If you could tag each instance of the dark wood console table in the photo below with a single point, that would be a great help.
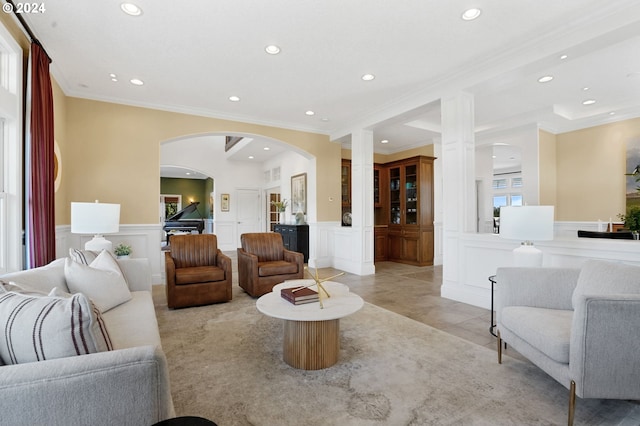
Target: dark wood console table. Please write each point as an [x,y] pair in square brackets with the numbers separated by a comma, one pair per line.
[295,238]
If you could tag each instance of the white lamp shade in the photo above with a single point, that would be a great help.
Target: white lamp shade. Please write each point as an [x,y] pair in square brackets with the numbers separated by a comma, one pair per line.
[95,218]
[526,223]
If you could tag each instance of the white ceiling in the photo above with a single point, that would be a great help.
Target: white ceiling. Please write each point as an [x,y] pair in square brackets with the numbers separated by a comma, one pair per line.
[193,55]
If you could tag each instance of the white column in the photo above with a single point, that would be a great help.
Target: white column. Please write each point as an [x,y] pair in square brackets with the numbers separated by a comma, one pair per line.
[362,201]
[458,185]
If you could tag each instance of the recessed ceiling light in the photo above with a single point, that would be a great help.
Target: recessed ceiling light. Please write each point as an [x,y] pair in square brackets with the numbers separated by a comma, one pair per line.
[585,88]
[324,119]
[136,81]
[589,102]
[384,141]
[250,157]
[545,79]
[310,113]
[272,49]
[368,77]
[471,14]
[493,156]
[266,148]
[564,56]
[612,113]
[188,173]
[234,99]
[131,9]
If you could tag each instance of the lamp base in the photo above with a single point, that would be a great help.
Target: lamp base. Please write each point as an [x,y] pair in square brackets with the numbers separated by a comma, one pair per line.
[98,243]
[527,255]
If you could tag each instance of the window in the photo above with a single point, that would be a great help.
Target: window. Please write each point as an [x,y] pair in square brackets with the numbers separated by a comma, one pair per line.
[499,201]
[499,184]
[516,182]
[11,249]
[516,200]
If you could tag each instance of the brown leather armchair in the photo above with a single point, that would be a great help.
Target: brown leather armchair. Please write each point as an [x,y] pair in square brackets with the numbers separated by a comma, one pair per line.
[198,273]
[264,262]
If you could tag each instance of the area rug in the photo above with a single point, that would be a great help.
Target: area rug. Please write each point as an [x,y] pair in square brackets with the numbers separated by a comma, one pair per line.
[226,365]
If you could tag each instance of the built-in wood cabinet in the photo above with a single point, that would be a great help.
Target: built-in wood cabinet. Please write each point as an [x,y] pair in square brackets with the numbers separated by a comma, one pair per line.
[380,243]
[410,232]
[403,209]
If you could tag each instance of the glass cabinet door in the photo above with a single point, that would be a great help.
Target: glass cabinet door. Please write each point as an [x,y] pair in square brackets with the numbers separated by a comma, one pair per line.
[376,187]
[346,184]
[394,195]
[411,195]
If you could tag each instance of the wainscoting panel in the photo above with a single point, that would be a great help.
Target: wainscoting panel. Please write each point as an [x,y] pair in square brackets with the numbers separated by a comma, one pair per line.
[226,233]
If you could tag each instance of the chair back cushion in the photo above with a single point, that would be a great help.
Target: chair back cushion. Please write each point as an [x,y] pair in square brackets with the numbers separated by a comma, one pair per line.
[599,277]
[268,246]
[194,250]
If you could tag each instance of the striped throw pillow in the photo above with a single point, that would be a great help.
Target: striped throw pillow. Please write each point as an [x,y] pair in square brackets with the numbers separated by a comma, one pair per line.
[84,257]
[41,327]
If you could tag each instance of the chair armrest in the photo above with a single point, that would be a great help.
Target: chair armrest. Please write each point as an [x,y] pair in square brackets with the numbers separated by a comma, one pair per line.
[170,269]
[294,257]
[223,261]
[536,287]
[137,272]
[605,343]
[247,266]
[128,386]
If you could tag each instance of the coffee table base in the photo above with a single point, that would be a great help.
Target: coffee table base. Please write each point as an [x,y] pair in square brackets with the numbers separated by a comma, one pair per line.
[311,345]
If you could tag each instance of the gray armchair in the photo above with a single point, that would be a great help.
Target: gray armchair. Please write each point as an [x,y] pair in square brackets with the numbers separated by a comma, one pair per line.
[580,326]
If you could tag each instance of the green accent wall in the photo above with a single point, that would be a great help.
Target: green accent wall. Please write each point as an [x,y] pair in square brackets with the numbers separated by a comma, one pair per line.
[190,189]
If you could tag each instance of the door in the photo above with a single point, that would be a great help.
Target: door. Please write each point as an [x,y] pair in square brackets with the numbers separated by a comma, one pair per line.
[248,218]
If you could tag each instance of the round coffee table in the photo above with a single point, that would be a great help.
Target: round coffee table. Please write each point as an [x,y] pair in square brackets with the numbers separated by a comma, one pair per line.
[311,334]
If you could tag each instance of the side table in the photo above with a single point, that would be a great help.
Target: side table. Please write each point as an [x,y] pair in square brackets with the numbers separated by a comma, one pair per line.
[492,323]
[311,335]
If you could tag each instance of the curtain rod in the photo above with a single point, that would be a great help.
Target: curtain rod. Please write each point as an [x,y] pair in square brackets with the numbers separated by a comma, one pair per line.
[26,27]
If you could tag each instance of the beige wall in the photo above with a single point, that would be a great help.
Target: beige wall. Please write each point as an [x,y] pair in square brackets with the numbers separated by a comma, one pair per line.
[548,170]
[113,154]
[590,171]
[63,206]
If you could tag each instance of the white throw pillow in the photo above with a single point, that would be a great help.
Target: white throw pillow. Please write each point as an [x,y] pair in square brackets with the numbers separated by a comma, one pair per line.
[41,327]
[102,281]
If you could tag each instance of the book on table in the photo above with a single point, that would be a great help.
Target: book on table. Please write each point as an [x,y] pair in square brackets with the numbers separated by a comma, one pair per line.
[299,295]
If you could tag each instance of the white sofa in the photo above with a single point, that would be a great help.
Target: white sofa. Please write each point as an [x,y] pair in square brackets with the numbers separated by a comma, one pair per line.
[128,385]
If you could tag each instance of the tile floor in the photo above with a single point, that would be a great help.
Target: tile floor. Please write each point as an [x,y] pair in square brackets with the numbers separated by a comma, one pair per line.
[414,292]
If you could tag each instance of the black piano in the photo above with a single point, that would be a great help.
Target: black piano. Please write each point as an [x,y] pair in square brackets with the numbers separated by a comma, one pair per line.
[176,223]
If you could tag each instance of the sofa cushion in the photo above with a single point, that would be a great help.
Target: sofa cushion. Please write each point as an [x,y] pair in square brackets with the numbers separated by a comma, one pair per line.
[548,330]
[102,281]
[133,323]
[41,327]
[199,274]
[598,277]
[278,267]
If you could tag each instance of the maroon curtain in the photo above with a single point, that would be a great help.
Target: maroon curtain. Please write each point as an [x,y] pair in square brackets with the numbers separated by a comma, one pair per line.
[41,208]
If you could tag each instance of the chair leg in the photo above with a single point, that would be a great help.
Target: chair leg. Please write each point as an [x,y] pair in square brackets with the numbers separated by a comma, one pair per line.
[499,348]
[572,402]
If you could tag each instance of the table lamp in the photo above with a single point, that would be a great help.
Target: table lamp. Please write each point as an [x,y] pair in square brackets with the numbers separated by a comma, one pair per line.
[95,218]
[527,224]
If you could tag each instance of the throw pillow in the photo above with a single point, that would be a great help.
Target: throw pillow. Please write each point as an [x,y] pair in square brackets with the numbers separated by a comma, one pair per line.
[602,277]
[102,281]
[83,256]
[41,327]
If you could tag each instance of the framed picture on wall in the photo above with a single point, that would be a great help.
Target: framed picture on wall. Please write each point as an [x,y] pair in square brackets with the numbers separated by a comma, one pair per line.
[299,193]
[224,202]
